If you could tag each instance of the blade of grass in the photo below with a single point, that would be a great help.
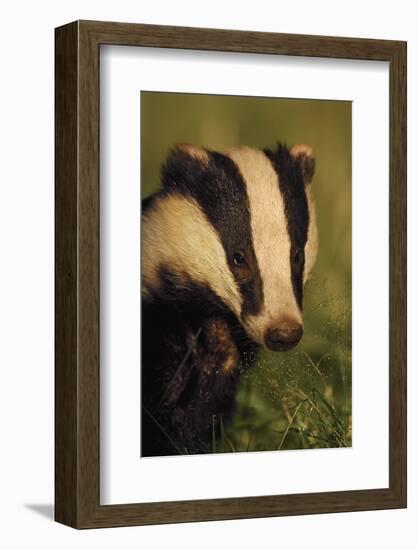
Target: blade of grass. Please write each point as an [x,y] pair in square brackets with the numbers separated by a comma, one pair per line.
[329,442]
[230,443]
[213,432]
[164,432]
[316,368]
[289,425]
[322,418]
[330,408]
[222,435]
[249,440]
[180,367]
[225,438]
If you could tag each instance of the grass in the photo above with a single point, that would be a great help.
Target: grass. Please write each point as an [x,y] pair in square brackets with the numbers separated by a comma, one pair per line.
[300,416]
[300,399]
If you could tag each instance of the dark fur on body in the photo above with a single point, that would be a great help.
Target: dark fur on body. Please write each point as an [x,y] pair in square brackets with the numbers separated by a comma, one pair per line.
[193,352]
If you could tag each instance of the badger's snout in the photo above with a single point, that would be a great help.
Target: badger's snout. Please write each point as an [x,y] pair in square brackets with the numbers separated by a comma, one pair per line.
[283,335]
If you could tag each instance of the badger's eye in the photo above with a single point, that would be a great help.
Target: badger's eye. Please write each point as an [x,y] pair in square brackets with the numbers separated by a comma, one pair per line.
[239,259]
[298,256]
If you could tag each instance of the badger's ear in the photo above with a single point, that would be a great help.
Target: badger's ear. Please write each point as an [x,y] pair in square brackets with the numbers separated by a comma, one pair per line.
[193,151]
[184,165]
[304,155]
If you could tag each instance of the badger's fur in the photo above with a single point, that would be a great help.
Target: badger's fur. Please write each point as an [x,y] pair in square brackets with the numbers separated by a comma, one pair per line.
[227,246]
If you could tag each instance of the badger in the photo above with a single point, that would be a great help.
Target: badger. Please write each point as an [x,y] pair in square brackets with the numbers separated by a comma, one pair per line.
[227,245]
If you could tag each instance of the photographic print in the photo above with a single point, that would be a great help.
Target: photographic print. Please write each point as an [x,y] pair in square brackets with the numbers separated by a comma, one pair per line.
[245,274]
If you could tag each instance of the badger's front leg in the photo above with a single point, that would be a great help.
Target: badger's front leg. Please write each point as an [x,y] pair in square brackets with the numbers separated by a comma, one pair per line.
[211,387]
[196,391]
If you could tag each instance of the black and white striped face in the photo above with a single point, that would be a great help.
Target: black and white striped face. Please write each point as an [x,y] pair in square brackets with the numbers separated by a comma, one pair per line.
[242,223]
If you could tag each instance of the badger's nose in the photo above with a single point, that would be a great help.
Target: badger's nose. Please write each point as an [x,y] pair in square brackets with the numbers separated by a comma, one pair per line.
[284,335]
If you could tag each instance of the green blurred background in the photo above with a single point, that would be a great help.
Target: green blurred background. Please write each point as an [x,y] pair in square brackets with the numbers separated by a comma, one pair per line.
[302,398]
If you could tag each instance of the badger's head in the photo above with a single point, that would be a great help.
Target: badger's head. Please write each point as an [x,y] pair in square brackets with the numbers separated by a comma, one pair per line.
[242,224]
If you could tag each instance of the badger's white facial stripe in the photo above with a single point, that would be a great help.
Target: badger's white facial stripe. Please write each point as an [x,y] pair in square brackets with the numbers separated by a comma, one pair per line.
[272,243]
[312,237]
[177,234]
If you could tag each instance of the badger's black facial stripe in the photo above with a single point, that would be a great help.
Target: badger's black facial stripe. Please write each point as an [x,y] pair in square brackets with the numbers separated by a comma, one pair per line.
[218,187]
[179,288]
[292,187]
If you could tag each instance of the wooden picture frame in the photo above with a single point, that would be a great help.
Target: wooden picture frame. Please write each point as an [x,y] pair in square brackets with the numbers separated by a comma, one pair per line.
[77,373]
